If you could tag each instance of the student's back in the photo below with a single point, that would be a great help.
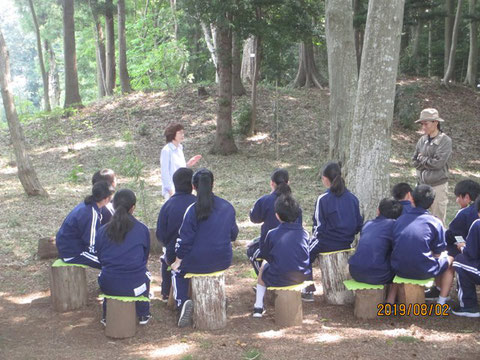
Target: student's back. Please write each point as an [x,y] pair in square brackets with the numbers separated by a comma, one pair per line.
[460,225]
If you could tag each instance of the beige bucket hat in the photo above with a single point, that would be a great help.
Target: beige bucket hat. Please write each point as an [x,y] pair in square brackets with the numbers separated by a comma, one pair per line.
[429,115]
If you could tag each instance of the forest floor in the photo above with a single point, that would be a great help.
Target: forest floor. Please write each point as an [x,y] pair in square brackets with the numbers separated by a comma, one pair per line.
[125,133]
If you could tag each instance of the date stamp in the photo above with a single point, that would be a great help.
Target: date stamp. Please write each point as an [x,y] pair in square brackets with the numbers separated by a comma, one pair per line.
[412,309]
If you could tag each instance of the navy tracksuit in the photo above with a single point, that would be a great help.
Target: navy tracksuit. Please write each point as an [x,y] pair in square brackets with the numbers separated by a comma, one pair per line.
[459,227]
[124,266]
[467,266]
[107,212]
[406,206]
[169,221]
[264,212]
[75,239]
[204,246]
[371,262]
[416,236]
[285,248]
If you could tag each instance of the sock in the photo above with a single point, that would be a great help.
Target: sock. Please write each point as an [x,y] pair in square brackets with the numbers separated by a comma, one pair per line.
[259,298]
[442,300]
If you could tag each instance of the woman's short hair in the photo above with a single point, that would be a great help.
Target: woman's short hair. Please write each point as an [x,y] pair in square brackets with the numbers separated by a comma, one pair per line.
[171,131]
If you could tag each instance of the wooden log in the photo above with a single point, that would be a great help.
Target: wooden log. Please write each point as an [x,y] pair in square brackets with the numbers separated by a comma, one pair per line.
[171,300]
[366,302]
[47,248]
[68,288]
[121,319]
[288,308]
[156,247]
[411,294]
[209,302]
[334,268]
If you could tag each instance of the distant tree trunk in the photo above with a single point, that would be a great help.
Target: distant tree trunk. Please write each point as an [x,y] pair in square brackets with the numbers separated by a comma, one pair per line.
[247,60]
[357,34]
[46,94]
[209,33]
[471,77]
[224,143]
[429,46]
[449,20]
[72,93]
[26,172]
[307,74]
[343,78]
[53,78]
[122,49]
[237,87]
[256,72]
[416,34]
[368,165]
[173,6]
[99,50]
[453,49]
[110,53]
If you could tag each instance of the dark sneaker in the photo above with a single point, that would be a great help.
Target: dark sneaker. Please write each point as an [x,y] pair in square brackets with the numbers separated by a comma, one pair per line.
[103,322]
[432,294]
[307,297]
[258,312]
[467,312]
[186,314]
[143,320]
[164,298]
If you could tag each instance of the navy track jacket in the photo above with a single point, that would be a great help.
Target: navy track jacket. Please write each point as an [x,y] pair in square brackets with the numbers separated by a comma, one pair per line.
[460,225]
[471,251]
[406,206]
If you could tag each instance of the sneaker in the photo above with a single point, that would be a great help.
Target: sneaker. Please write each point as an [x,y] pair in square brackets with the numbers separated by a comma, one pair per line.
[103,321]
[258,312]
[143,320]
[468,312]
[185,318]
[432,294]
[307,297]
[164,298]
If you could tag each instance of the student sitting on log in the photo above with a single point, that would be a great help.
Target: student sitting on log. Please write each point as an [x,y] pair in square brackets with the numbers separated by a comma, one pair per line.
[336,219]
[204,242]
[169,220]
[76,238]
[264,212]
[123,246]
[403,192]
[419,243]
[371,262]
[107,175]
[285,250]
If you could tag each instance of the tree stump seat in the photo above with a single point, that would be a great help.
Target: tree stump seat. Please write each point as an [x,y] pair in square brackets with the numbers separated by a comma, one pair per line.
[68,286]
[367,298]
[334,268]
[47,249]
[288,304]
[412,291]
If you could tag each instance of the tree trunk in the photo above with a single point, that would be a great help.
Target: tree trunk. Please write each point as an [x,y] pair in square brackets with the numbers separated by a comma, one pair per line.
[173,6]
[368,165]
[53,78]
[247,60]
[209,302]
[449,19]
[358,35]
[110,55]
[122,49]
[209,34]
[307,74]
[471,77]
[46,94]
[72,93]
[453,49]
[224,143]
[99,51]
[417,32]
[343,78]
[26,172]
[256,71]
[237,87]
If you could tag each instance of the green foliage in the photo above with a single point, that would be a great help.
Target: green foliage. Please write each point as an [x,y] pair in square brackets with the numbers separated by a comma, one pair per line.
[406,339]
[129,165]
[407,105]
[242,117]
[77,174]
[253,354]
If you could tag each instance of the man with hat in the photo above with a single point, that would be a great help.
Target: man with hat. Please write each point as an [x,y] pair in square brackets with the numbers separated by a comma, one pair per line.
[430,159]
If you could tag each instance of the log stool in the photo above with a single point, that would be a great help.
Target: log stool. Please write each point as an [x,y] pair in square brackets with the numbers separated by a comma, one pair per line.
[121,319]
[334,268]
[68,286]
[367,297]
[288,304]
[47,249]
[412,291]
[209,300]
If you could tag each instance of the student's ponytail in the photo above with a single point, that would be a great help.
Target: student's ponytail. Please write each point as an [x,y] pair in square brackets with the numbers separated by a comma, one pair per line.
[280,178]
[333,173]
[203,182]
[100,191]
[122,221]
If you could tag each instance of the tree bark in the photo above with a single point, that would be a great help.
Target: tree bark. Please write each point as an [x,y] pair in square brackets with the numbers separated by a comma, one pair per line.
[53,77]
[416,34]
[256,71]
[471,77]
[307,74]
[358,35]
[99,51]
[368,165]
[26,172]
[247,60]
[237,86]
[72,92]
[173,6]
[209,299]
[224,143]
[343,76]
[110,53]
[453,49]
[209,35]
[449,20]
[46,94]
[122,49]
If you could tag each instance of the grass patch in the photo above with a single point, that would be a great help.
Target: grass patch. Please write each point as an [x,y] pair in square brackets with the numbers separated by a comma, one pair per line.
[252,354]
[407,339]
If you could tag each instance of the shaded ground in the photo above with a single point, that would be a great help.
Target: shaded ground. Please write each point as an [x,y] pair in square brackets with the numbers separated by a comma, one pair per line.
[126,134]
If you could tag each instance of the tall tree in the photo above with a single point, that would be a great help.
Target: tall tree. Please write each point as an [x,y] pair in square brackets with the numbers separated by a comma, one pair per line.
[210,34]
[26,172]
[72,92]
[46,94]
[110,53]
[368,164]
[53,76]
[307,74]
[471,77]
[342,70]
[122,49]
[449,20]
[453,49]
[237,86]
[99,49]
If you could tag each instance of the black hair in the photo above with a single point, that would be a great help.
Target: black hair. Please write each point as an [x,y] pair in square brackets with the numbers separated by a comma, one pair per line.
[470,187]
[287,208]
[477,204]
[390,208]
[182,179]
[203,182]
[100,191]
[400,190]
[332,171]
[280,178]
[423,196]
[107,175]
[122,221]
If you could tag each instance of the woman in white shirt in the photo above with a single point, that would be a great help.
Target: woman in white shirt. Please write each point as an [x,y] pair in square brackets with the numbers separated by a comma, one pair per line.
[172,158]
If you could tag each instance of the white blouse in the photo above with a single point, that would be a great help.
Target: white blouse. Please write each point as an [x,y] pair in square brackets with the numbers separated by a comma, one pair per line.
[171,159]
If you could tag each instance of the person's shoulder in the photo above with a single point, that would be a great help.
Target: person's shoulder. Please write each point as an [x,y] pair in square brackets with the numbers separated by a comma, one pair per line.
[168,147]
[139,225]
[222,203]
